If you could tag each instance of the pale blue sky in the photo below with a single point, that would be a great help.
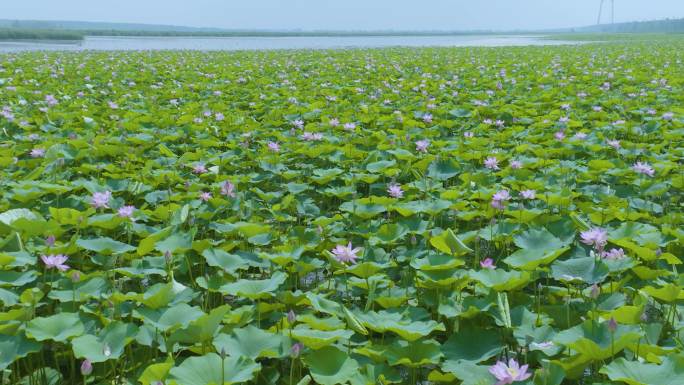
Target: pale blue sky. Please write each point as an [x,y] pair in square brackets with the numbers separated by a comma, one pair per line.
[343,14]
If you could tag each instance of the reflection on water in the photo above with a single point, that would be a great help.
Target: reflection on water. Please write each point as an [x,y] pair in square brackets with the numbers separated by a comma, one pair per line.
[262,43]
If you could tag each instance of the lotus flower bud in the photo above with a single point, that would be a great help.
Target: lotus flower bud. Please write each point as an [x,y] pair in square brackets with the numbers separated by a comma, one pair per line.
[594,291]
[291,317]
[612,325]
[86,367]
[296,350]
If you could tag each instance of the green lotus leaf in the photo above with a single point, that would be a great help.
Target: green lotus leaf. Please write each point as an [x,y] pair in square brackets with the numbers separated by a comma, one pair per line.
[380,166]
[12,278]
[174,317]
[448,242]
[177,241]
[669,372]
[317,339]
[14,347]
[147,245]
[468,372]
[59,327]
[388,233]
[91,288]
[406,328]
[255,289]
[104,245]
[155,372]
[203,328]
[585,269]
[414,354]
[443,169]
[331,366]
[231,263]
[109,344]
[436,262]
[538,247]
[252,342]
[363,209]
[667,293]
[550,373]
[364,269]
[501,280]
[10,216]
[595,341]
[432,207]
[210,369]
[472,344]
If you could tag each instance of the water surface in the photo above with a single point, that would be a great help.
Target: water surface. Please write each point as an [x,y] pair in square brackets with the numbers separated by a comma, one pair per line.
[263,43]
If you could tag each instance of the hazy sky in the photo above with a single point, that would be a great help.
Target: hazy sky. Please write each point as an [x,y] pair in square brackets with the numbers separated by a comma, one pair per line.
[344,14]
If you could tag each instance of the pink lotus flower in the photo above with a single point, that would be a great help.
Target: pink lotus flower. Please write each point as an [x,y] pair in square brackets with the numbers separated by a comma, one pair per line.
[487,263]
[560,135]
[51,100]
[491,163]
[580,136]
[596,236]
[205,196]
[350,126]
[228,189]
[346,254]
[613,254]
[668,116]
[55,261]
[298,123]
[219,116]
[499,198]
[296,350]
[516,164]
[468,134]
[395,191]
[614,143]
[334,122]
[422,145]
[508,374]
[612,325]
[199,168]
[528,194]
[308,136]
[101,199]
[113,105]
[643,168]
[86,367]
[427,118]
[274,146]
[37,153]
[126,211]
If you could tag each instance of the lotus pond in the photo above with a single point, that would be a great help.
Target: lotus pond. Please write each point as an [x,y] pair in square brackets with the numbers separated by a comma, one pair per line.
[471,216]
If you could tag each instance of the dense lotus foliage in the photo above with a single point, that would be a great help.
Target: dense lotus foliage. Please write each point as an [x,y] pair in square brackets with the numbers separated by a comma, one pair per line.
[400,216]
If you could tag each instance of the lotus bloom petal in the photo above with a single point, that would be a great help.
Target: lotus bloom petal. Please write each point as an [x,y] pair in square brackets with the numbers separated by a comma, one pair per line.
[346,254]
[422,145]
[101,199]
[395,191]
[508,374]
[491,163]
[55,261]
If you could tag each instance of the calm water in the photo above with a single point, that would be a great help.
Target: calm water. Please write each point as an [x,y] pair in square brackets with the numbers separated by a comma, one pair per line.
[261,43]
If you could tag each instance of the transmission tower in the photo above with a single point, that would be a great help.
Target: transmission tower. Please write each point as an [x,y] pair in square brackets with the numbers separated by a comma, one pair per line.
[612,12]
